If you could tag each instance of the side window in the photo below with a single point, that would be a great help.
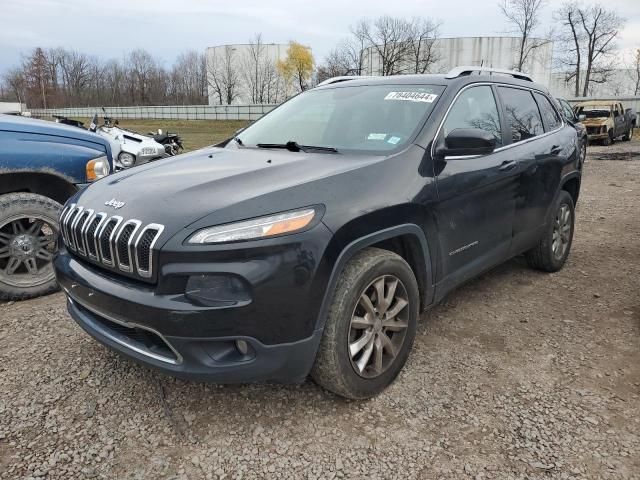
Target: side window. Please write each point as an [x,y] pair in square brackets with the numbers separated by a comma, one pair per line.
[551,117]
[568,113]
[475,108]
[523,116]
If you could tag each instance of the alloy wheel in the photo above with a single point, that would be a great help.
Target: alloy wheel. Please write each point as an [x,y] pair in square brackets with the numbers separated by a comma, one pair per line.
[27,245]
[561,232]
[378,326]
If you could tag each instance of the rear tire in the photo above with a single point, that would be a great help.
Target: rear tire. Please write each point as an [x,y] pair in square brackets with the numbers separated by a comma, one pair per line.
[628,136]
[366,343]
[28,239]
[551,252]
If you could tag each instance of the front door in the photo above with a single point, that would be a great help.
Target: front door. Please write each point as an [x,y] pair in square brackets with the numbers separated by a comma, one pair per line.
[476,195]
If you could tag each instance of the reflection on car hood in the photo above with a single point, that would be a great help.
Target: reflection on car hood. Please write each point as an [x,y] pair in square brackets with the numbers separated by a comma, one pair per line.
[180,190]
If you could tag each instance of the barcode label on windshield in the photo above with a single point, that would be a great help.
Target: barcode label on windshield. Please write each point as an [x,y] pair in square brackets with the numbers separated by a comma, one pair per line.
[411,96]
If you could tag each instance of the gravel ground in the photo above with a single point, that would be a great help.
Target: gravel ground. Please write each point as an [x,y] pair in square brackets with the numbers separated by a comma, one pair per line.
[518,375]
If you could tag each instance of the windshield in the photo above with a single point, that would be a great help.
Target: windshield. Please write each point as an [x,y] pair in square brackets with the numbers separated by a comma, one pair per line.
[594,111]
[372,119]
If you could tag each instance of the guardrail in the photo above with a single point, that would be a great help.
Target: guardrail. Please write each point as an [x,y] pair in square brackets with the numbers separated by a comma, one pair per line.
[171,112]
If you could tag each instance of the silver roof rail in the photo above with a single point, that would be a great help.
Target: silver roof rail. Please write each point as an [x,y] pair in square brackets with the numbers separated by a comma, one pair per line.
[344,78]
[467,70]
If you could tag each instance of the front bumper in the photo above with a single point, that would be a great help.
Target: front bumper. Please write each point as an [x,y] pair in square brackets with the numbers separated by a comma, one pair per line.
[161,327]
[202,359]
[597,136]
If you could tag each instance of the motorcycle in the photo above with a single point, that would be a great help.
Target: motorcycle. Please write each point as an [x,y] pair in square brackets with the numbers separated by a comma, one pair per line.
[171,141]
[132,148]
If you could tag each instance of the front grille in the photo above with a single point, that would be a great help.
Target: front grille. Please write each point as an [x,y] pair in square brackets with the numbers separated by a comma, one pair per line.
[111,241]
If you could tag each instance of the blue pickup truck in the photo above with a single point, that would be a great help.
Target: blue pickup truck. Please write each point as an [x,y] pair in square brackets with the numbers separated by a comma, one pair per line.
[42,164]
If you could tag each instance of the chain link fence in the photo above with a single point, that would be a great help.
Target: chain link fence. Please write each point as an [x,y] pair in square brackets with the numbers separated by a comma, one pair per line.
[171,112]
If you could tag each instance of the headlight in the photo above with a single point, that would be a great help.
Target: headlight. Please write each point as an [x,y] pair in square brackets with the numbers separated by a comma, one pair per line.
[97,168]
[262,227]
[127,159]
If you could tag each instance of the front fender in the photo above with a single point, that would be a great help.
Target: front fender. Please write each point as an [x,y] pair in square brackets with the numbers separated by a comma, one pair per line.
[423,262]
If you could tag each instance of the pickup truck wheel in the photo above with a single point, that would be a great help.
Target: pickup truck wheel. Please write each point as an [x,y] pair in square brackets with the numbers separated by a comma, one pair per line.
[370,327]
[629,135]
[553,248]
[28,240]
[608,139]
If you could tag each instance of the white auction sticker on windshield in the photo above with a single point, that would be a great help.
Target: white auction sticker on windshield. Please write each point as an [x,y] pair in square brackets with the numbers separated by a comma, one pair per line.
[411,96]
[376,136]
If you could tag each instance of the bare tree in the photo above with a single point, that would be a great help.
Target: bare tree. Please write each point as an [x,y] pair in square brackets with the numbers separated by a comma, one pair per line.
[570,41]
[222,75]
[635,72]
[390,39]
[601,27]
[14,79]
[259,71]
[422,51]
[588,43]
[524,17]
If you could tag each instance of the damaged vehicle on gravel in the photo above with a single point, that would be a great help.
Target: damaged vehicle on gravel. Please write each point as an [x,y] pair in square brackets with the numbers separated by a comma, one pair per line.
[309,243]
[42,164]
[606,121]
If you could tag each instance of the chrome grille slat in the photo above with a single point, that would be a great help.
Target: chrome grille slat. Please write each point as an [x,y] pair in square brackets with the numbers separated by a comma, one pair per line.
[72,227]
[84,219]
[141,250]
[121,244]
[128,266]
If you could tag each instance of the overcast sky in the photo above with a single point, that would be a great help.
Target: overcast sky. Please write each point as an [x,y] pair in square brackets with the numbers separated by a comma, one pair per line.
[113,27]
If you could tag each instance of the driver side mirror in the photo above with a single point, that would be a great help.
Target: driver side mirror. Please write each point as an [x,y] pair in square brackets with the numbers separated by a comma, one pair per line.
[582,117]
[467,141]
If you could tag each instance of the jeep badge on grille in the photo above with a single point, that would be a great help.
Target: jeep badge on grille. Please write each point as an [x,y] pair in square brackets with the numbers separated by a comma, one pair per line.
[114,203]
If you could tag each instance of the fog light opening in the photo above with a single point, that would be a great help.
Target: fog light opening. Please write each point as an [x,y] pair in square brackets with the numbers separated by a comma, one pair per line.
[242,347]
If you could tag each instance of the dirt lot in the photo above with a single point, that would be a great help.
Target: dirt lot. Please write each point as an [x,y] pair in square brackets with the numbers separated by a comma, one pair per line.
[517,375]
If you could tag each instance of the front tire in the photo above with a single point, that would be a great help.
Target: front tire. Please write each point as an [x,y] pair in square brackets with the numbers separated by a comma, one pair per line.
[370,327]
[28,239]
[551,252]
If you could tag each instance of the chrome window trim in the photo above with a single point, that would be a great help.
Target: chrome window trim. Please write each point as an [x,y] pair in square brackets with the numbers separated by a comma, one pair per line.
[126,268]
[151,226]
[504,147]
[118,220]
[177,361]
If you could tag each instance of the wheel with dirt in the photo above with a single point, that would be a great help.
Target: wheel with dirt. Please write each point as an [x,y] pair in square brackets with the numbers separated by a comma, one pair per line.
[628,135]
[582,155]
[28,240]
[551,252]
[609,139]
[370,327]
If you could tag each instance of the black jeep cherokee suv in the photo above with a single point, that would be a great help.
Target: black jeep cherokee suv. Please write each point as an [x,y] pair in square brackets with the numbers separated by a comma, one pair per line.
[310,242]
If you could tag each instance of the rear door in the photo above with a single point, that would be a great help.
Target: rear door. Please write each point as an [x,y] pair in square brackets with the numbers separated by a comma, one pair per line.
[541,148]
[476,194]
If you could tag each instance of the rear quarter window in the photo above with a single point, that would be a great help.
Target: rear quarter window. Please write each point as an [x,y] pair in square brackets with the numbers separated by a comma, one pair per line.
[549,114]
[523,116]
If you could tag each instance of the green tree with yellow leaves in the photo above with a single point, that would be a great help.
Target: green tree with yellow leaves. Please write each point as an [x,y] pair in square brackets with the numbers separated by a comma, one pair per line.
[297,67]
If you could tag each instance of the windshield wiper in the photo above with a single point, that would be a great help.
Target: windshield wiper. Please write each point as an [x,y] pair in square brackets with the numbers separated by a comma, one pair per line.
[293,146]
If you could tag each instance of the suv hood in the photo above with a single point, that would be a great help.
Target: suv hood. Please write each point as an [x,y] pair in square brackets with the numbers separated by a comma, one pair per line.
[178,191]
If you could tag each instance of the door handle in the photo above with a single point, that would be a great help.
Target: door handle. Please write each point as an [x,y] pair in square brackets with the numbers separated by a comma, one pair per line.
[507,165]
[555,150]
